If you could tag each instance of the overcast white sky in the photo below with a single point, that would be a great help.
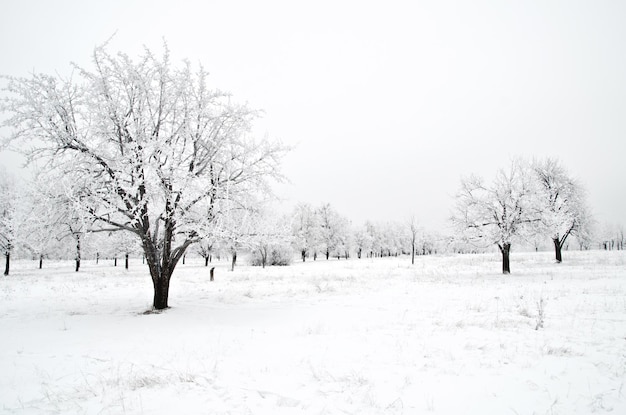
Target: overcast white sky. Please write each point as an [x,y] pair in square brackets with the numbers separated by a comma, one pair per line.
[388,103]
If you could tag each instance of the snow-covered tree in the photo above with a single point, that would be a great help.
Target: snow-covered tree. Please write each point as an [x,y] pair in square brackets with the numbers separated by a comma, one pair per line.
[206,247]
[41,231]
[270,235]
[156,150]
[235,233]
[123,244]
[497,214]
[362,241]
[561,201]
[413,231]
[8,217]
[334,231]
[306,230]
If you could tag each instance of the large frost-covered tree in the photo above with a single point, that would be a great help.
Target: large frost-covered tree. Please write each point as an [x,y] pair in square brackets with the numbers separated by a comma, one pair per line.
[155,149]
[562,202]
[499,213]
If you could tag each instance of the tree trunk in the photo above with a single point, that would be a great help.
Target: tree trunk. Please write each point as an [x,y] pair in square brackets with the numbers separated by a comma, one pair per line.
[40,261]
[557,250]
[77,252]
[97,257]
[211,273]
[126,261]
[7,262]
[115,262]
[413,253]
[161,292]
[232,268]
[506,250]
[327,255]
[161,263]
[303,253]
[206,261]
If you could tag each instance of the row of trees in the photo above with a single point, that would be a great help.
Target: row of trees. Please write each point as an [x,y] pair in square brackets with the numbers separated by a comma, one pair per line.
[38,219]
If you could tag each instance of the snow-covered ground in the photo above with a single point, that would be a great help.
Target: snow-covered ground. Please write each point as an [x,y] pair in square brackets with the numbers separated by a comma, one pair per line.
[449,335]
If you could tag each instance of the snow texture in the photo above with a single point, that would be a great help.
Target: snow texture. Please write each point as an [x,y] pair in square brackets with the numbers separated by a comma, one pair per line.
[448,335]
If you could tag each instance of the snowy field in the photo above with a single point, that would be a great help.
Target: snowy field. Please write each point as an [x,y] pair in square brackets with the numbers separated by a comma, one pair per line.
[449,335]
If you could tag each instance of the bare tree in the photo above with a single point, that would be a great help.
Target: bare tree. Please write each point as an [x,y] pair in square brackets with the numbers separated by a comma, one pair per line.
[157,151]
[562,203]
[413,232]
[496,214]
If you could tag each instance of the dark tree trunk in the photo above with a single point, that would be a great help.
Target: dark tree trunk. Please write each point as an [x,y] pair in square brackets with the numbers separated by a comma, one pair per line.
[303,253]
[327,255]
[7,262]
[506,250]
[211,273]
[206,261]
[77,252]
[358,253]
[232,268]
[115,262]
[161,292]
[40,261]
[315,256]
[126,261]
[413,253]
[557,250]
[161,264]
[97,257]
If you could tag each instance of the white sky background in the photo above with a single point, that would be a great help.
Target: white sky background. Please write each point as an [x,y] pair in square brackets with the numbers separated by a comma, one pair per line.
[388,103]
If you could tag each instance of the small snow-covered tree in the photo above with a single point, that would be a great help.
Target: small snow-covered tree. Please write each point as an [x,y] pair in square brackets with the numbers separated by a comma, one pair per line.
[497,213]
[334,231]
[236,231]
[270,236]
[206,247]
[413,231]
[561,201]
[362,241]
[156,150]
[8,217]
[41,230]
[305,230]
